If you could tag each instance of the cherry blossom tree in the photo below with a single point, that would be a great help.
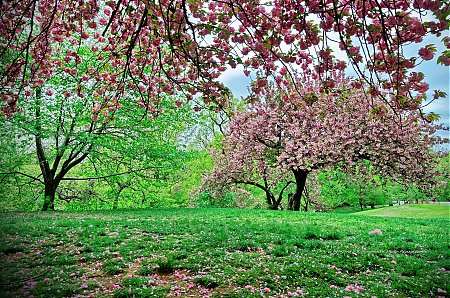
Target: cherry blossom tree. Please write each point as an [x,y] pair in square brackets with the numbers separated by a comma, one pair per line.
[304,127]
[232,167]
[183,46]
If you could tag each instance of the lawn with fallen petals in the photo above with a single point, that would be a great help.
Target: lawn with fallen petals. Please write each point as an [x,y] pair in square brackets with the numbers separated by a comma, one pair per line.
[222,253]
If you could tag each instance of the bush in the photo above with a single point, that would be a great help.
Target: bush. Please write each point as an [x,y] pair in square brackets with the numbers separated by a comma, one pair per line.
[206,199]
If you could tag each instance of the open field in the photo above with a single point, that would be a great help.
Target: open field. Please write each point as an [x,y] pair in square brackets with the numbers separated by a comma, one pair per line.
[411,211]
[222,253]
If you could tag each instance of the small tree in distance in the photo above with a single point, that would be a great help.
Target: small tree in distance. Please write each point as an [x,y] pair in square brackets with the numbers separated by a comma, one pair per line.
[302,127]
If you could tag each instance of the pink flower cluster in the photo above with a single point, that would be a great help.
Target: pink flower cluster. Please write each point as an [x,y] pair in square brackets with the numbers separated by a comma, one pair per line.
[376,232]
[154,56]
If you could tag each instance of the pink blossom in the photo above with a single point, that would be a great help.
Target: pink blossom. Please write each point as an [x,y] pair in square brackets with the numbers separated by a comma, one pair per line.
[180,275]
[393,262]
[266,290]
[49,92]
[426,54]
[349,288]
[114,286]
[376,232]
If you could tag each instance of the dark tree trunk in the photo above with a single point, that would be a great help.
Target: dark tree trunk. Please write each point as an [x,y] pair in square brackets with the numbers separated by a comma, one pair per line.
[306,204]
[49,195]
[300,181]
[291,201]
[273,204]
[360,199]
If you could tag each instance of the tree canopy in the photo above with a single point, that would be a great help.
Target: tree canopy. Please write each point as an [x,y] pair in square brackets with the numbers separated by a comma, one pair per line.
[183,46]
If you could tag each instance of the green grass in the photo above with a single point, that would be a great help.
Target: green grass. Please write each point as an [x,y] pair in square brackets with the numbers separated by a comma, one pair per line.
[411,211]
[221,253]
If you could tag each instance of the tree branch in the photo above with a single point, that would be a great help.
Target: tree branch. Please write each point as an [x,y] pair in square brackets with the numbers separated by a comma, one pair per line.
[23,174]
[107,176]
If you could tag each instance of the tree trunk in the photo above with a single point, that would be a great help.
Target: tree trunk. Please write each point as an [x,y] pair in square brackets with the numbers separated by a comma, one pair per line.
[291,201]
[49,196]
[122,186]
[300,181]
[360,199]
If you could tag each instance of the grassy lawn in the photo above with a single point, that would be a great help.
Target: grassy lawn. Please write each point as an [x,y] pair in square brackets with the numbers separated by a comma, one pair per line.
[222,253]
[411,211]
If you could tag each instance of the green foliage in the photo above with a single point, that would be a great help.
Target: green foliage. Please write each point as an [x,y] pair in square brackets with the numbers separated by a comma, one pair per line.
[342,190]
[143,162]
[442,183]
[206,199]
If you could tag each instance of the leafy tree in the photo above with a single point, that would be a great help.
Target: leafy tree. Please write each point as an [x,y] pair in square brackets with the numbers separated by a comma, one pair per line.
[442,189]
[63,134]
[301,129]
[336,189]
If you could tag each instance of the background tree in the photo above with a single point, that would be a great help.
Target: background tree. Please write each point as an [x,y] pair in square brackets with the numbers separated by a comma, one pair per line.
[63,133]
[304,128]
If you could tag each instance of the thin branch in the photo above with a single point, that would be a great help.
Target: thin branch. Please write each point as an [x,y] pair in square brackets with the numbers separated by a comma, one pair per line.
[107,176]
[23,174]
